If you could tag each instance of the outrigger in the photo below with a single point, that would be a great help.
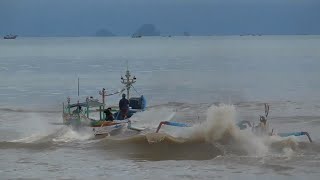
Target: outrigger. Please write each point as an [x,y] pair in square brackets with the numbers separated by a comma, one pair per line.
[262,127]
[91,113]
[257,130]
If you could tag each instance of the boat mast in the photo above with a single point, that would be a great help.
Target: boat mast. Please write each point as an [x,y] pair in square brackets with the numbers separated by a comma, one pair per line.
[128,81]
[78,87]
[103,94]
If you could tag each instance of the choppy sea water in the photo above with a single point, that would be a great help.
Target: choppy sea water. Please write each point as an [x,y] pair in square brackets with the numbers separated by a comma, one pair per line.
[185,79]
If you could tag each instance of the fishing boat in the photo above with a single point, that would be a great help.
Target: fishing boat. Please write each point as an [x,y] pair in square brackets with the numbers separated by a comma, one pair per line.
[92,113]
[10,36]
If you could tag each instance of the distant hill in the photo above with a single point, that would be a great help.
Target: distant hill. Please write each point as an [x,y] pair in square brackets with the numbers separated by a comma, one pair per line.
[104,33]
[146,30]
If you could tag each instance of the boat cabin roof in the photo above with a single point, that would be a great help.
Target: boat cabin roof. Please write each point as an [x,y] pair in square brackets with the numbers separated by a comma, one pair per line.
[86,104]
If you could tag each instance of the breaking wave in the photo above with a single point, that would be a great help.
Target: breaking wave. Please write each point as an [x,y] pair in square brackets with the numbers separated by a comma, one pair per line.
[217,136]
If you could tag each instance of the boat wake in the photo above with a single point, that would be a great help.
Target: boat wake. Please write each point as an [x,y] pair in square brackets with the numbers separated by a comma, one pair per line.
[53,140]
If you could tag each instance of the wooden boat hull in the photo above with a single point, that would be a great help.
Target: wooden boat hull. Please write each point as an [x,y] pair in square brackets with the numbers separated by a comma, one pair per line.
[98,127]
[108,129]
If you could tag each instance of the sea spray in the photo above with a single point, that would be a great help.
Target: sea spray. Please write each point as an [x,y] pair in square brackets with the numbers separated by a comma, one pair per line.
[220,127]
[220,123]
[63,134]
[69,135]
[152,117]
[283,144]
[33,125]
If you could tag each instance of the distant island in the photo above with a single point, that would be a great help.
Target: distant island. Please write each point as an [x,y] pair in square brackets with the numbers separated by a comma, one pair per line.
[146,30]
[104,33]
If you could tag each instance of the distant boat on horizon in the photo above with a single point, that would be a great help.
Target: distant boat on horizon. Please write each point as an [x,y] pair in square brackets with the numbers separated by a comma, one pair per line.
[10,36]
[136,36]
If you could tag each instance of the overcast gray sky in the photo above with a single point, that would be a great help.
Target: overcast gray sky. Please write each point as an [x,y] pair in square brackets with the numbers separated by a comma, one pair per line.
[123,17]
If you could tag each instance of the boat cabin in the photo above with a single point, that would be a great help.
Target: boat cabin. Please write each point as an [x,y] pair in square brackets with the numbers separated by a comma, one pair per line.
[83,112]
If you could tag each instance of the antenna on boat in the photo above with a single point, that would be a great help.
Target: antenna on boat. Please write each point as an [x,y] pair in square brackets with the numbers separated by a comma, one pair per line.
[127,65]
[78,87]
[128,81]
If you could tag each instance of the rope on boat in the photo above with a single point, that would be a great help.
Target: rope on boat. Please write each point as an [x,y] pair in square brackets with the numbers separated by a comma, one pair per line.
[170,123]
[135,90]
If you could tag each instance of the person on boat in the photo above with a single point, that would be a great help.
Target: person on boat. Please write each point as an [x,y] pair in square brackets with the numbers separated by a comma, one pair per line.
[77,111]
[143,102]
[124,106]
[109,115]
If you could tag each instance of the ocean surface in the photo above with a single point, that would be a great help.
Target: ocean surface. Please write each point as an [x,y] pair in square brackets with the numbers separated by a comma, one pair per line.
[209,82]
